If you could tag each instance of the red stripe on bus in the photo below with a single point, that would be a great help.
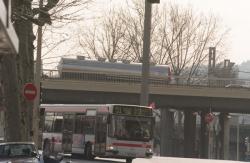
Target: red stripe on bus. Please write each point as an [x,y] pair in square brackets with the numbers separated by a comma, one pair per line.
[132,145]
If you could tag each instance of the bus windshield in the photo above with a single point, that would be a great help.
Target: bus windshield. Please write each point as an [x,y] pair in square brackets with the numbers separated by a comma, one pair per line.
[132,128]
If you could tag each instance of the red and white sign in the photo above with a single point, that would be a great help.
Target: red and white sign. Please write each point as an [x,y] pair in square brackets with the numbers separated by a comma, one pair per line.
[209,117]
[29,91]
[152,105]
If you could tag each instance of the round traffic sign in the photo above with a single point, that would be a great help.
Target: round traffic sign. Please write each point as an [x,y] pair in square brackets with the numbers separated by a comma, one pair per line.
[209,117]
[29,91]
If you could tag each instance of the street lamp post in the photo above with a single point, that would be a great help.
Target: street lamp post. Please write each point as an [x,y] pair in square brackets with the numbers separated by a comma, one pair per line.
[146,55]
[37,82]
[238,137]
[146,52]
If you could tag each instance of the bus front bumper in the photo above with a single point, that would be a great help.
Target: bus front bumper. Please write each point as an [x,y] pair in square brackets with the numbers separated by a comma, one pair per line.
[149,153]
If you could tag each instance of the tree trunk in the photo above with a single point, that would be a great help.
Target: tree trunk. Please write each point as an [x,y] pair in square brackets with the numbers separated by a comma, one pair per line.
[11,94]
[25,62]
[25,70]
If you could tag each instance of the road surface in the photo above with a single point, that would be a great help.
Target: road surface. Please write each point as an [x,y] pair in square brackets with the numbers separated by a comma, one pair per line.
[96,160]
[152,160]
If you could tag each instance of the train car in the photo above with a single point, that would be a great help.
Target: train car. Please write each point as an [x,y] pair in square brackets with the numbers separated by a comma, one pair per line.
[81,68]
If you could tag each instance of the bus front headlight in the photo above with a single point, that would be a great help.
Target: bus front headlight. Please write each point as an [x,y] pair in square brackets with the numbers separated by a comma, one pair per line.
[149,150]
[110,148]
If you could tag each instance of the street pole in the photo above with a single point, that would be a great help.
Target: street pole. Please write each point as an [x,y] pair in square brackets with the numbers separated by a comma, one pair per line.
[238,138]
[37,82]
[146,55]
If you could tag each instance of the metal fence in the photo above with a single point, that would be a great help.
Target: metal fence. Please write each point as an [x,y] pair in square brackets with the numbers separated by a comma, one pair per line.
[178,81]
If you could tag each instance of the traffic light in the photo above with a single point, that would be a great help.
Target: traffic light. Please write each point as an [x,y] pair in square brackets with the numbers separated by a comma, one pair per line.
[154,1]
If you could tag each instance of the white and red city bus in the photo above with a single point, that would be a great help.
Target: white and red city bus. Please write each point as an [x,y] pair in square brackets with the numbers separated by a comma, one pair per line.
[108,130]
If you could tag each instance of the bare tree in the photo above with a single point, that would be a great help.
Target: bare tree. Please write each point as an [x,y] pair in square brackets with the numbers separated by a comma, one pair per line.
[63,17]
[134,19]
[180,37]
[119,36]
[107,41]
[89,43]
[185,38]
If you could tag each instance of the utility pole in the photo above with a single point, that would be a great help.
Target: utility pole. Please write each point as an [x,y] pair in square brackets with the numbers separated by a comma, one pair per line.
[238,139]
[146,55]
[146,52]
[37,81]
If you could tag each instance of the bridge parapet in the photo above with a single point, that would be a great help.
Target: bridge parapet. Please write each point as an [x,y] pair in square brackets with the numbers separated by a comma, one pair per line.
[179,81]
[87,89]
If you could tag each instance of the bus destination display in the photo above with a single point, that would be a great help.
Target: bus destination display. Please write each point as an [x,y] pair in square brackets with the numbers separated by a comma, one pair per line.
[131,110]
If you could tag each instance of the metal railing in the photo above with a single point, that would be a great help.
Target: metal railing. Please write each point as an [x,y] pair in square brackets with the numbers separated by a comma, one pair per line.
[178,81]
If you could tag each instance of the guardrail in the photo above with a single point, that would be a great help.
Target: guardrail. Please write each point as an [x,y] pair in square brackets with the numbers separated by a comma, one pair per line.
[178,81]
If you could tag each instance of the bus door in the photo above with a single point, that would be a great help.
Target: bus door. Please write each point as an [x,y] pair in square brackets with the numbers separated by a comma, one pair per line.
[100,134]
[67,133]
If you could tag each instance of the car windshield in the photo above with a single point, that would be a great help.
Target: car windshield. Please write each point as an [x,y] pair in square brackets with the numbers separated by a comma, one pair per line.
[132,128]
[13,150]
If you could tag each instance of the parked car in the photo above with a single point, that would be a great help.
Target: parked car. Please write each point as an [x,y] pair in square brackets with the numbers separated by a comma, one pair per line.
[19,152]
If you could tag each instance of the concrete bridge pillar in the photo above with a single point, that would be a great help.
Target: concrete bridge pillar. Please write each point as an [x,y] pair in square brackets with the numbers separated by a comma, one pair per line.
[203,137]
[167,128]
[224,135]
[189,134]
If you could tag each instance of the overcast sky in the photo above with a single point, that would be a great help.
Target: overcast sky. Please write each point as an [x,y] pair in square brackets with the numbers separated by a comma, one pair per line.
[234,14]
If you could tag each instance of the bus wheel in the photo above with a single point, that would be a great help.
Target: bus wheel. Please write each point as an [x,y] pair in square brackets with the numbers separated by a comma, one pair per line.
[88,152]
[129,160]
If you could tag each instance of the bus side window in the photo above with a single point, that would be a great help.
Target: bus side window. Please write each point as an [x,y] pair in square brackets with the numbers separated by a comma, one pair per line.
[58,119]
[68,122]
[48,122]
[78,124]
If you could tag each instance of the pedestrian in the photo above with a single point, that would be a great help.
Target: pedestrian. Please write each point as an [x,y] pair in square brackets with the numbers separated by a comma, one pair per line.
[48,156]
